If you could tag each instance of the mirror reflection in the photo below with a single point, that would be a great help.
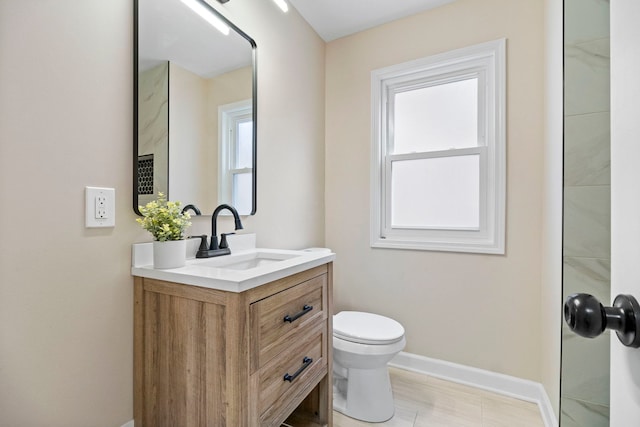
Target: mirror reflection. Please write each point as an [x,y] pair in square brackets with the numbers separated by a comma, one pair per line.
[194,107]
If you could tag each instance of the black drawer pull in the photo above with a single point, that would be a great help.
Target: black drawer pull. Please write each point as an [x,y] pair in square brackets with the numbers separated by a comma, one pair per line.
[305,364]
[305,309]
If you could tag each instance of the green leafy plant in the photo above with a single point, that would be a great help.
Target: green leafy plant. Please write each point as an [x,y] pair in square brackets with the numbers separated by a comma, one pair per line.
[164,219]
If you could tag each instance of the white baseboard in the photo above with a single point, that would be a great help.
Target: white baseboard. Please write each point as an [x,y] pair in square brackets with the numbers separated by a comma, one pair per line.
[519,388]
[128,424]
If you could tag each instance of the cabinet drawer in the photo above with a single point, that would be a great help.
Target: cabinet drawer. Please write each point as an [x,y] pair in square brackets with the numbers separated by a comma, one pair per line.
[292,374]
[277,319]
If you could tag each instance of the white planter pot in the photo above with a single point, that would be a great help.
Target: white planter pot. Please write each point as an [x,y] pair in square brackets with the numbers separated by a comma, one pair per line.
[169,254]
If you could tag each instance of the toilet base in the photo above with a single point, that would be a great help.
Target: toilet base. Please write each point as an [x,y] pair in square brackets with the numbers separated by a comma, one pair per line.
[365,395]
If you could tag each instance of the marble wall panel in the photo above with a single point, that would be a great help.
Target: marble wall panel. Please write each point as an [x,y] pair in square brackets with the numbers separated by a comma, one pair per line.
[587,149]
[585,367]
[587,75]
[576,413]
[587,221]
[585,20]
[587,216]
[153,125]
[587,275]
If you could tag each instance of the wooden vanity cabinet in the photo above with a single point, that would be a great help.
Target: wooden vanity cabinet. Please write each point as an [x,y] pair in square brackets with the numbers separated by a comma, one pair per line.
[205,357]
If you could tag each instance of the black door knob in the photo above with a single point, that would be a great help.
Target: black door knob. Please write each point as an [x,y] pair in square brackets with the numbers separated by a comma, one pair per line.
[587,317]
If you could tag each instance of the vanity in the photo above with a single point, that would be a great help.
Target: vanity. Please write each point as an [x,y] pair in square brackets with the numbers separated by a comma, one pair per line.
[240,340]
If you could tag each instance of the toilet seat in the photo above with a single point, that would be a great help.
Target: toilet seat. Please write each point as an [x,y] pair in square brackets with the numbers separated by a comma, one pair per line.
[366,328]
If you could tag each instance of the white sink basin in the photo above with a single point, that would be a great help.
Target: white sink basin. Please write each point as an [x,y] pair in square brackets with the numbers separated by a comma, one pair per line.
[246,261]
[242,270]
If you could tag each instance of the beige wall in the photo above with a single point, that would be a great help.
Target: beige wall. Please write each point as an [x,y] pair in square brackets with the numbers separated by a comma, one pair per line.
[477,310]
[66,122]
[190,144]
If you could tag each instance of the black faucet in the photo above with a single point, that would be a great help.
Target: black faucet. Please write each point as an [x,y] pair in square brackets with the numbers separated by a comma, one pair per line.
[214,248]
[194,208]
[214,220]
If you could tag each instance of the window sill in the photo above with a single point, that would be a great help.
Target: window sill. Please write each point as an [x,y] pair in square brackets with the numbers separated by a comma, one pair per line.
[480,247]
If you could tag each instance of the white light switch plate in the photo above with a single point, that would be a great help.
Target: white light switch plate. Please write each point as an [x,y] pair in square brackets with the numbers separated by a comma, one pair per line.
[100,207]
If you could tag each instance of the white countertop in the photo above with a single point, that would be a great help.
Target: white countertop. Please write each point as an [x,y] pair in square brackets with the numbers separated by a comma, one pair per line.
[211,272]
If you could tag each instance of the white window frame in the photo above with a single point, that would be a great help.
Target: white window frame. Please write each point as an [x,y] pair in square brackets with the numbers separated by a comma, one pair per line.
[487,62]
[229,115]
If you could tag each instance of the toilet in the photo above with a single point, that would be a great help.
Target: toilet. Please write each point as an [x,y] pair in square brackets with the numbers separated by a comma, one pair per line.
[363,344]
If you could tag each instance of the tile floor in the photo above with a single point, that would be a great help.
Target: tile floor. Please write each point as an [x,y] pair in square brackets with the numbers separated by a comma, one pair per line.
[423,401]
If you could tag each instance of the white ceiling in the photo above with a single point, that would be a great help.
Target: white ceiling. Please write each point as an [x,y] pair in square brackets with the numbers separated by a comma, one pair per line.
[333,19]
[169,31]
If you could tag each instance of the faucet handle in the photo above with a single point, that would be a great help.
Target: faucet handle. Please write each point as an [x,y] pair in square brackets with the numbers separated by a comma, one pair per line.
[223,240]
[204,247]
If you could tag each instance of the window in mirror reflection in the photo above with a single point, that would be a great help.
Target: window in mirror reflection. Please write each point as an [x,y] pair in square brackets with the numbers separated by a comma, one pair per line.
[236,154]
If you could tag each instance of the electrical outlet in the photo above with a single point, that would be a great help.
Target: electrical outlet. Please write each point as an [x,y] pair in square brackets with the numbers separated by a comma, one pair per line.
[100,206]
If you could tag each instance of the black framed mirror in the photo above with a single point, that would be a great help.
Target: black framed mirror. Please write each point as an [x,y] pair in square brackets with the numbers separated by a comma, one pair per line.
[194,107]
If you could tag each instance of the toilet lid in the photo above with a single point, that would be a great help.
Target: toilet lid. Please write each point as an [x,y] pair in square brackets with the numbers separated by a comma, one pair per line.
[366,328]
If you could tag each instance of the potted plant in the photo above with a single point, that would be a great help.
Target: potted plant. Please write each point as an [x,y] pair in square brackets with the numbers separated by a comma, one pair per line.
[167,223]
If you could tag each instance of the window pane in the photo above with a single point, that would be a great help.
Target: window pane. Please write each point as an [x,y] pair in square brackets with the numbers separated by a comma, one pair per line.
[244,145]
[242,192]
[438,117]
[441,192]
